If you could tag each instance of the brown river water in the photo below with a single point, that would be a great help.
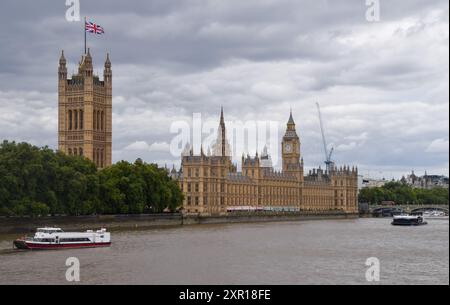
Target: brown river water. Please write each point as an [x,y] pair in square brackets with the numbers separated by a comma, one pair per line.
[304,252]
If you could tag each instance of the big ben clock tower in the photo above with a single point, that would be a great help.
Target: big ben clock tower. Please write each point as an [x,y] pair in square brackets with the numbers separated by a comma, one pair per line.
[291,147]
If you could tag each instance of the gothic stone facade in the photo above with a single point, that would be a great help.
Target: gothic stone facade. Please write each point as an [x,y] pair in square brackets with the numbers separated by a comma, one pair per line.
[212,185]
[85,111]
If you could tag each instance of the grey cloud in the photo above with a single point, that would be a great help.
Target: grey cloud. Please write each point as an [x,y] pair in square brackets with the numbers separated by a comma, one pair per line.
[258,58]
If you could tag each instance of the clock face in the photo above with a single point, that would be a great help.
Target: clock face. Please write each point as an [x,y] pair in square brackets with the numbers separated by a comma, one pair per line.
[288,147]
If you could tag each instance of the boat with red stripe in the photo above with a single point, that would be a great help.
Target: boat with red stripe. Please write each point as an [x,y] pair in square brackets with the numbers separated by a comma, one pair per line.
[56,238]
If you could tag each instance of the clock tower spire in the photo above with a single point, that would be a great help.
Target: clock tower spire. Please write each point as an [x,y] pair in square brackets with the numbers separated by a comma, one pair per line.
[291,147]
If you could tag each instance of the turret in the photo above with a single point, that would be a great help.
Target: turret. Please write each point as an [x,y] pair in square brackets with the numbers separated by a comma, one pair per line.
[107,73]
[201,151]
[87,67]
[186,150]
[62,70]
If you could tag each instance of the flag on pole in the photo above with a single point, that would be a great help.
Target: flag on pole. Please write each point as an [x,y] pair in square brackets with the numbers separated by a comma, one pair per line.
[94,28]
[91,27]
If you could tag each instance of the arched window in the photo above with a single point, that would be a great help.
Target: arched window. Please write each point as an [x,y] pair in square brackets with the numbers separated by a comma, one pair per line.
[70,151]
[94,119]
[80,151]
[101,158]
[75,114]
[70,119]
[98,157]
[102,118]
[81,119]
[98,120]
[74,151]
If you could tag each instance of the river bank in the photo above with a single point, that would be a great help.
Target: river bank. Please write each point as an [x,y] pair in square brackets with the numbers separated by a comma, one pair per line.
[9,225]
[332,252]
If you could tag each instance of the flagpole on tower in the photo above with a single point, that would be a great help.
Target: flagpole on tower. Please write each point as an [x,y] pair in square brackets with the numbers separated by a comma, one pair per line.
[84,26]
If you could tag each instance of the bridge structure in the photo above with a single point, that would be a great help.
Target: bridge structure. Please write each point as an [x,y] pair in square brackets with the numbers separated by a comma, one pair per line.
[429,209]
[368,209]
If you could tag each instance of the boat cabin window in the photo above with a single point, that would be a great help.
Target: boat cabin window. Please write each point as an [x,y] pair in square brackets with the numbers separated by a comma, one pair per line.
[45,240]
[49,231]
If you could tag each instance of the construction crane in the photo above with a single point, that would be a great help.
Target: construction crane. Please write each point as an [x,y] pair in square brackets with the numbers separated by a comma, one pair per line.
[328,154]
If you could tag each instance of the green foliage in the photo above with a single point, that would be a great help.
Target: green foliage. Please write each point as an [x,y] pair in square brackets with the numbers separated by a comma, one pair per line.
[37,181]
[403,194]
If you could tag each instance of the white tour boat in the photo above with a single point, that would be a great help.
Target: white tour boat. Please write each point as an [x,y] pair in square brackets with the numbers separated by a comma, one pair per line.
[55,238]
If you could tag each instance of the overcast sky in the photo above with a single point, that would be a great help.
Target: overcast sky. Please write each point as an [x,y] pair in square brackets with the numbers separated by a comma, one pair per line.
[383,86]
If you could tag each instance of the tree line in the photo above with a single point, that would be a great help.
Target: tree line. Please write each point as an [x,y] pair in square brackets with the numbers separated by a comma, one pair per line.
[39,181]
[402,193]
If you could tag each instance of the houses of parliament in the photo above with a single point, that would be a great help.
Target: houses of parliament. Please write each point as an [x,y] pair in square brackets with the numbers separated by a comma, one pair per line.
[212,185]
[210,182]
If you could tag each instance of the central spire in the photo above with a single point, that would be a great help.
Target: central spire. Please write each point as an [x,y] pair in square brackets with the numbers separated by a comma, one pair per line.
[222,130]
[291,119]
[222,120]
[221,146]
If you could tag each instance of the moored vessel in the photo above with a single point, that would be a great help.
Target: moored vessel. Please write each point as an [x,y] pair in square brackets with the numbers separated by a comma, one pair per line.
[408,220]
[56,238]
[435,214]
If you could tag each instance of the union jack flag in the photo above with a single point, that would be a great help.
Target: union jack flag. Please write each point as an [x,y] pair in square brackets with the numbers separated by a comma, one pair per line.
[94,28]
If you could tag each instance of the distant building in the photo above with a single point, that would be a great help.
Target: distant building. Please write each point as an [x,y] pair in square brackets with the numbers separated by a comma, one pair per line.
[426,181]
[360,182]
[211,183]
[370,182]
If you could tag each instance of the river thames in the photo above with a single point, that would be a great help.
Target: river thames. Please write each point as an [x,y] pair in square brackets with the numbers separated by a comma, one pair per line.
[304,252]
